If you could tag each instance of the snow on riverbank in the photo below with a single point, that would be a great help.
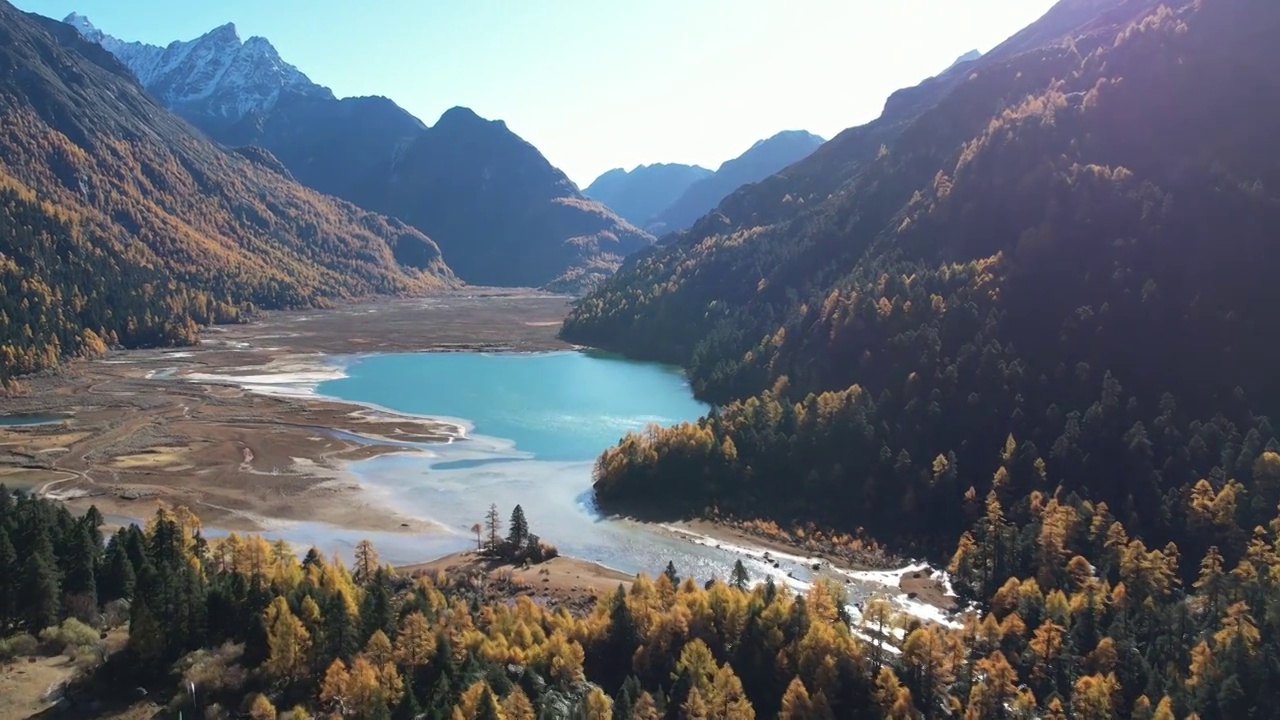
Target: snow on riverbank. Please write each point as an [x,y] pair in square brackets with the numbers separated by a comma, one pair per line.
[872,582]
[294,382]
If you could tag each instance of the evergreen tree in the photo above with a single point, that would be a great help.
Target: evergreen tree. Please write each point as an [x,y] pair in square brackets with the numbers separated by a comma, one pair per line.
[518,530]
[82,562]
[671,574]
[342,634]
[739,579]
[9,568]
[39,593]
[117,577]
[488,709]
[377,612]
[408,708]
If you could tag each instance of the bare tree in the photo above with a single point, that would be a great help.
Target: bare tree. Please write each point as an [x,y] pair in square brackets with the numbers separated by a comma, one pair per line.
[493,523]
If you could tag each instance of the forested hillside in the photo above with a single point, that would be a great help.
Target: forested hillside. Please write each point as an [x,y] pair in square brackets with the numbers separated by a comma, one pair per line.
[761,160]
[1027,308]
[121,224]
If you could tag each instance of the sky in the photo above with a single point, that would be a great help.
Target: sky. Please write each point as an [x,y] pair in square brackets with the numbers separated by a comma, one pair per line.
[599,84]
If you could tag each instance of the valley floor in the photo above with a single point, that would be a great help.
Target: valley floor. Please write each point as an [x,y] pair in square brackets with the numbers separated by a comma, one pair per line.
[183,426]
[232,429]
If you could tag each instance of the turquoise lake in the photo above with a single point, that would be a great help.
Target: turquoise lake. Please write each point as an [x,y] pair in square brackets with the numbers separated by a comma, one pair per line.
[535,424]
[553,406]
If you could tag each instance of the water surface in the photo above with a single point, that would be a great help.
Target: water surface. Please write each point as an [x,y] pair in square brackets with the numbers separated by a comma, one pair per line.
[552,406]
[29,419]
[536,423]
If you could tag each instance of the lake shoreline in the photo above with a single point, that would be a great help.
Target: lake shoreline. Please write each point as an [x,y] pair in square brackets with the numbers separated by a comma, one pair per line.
[236,430]
[232,427]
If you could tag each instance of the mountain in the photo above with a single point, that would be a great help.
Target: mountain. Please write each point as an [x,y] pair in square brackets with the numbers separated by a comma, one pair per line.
[761,160]
[1050,275]
[964,59]
[216,75]
[647,190]
[500,211]
[120,223]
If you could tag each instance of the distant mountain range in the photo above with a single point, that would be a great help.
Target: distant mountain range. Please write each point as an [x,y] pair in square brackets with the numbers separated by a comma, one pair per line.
[666,198]
[501,213]
[647,190]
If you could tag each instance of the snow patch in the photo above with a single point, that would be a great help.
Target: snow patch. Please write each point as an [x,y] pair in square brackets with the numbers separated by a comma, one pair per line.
[215,74]
[294,384]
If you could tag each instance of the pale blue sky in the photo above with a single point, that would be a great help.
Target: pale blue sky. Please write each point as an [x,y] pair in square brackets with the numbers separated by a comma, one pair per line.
[597,84]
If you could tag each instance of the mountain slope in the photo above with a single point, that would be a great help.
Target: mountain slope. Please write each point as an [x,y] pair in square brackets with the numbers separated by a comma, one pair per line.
[216,75]
[125,225]
[647,190]
[478,189]
[761,160]
[1057,266]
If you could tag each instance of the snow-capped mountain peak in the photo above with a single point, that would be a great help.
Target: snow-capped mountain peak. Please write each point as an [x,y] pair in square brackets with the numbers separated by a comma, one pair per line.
[216,74]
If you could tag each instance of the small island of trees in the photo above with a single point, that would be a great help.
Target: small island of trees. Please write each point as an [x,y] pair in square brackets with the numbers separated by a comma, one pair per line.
[519,545]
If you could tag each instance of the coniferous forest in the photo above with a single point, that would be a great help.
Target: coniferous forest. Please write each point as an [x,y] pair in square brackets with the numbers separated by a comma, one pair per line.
[1030,344]
[120,225]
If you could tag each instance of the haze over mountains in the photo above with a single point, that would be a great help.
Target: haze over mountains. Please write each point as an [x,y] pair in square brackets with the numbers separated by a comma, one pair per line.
[642,193]
[666,198]
[500,212]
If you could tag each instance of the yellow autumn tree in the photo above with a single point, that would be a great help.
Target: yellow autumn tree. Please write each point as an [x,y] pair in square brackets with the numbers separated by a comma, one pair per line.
[416,642]
[931,654]
[516,705]
[693,708]
[288,644]
[728,700]
[333,690]
[597,706]
[995,689]
[1091,697]
[796,704]
[645,708]
[261,708]
[892,696]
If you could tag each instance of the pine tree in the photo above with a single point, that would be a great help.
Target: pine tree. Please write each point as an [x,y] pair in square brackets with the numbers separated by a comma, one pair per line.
[341,632]
[82,562]
[739,579]
[408,708]
[39,593]
[377,612]
[8,569]
[117,577]
[518,530]
[488,708]
[671,574]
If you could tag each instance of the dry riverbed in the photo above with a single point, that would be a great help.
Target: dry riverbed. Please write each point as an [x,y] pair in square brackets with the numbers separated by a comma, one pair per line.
[229,427]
